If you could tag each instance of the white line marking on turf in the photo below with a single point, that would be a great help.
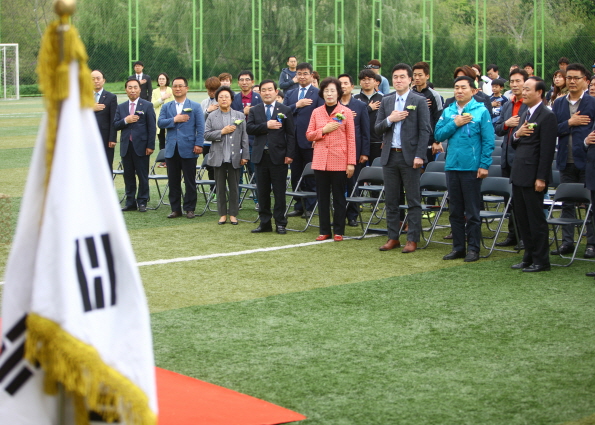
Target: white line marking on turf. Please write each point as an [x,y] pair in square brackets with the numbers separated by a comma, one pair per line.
[231,254]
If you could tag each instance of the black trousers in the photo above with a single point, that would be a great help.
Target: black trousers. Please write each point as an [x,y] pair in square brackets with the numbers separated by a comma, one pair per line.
[528,209]
[327,182]
[109,152]
[176,165]
[161,137]
[511,223]
[139,166]
[270,175]
[302,157]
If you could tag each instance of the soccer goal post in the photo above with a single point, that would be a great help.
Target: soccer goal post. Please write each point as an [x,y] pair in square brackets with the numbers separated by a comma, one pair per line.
[9,72]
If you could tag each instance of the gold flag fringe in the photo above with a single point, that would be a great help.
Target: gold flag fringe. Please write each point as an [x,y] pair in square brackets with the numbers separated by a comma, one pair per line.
[79,368]
[60,45]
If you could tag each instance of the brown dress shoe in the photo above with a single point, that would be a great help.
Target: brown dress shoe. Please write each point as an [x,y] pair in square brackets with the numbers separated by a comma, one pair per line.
[175,214]
[409,247]
[390,244]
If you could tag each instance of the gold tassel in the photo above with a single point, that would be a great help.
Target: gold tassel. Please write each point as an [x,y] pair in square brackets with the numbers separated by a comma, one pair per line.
[80,369]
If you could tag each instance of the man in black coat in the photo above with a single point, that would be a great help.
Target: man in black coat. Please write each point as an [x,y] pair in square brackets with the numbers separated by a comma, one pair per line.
[273,150]
[146,89]
[534,141]
[105,111]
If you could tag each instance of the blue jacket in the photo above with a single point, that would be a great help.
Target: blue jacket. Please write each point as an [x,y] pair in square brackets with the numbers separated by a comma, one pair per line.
[470,146]
[301,116]
[185,135]
[362,127]
[579,133]
[286,80]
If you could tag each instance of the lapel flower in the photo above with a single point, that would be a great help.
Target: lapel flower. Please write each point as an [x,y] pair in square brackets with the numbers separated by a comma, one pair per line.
[238,122]
[139,112]
[532,125]
[280,117]
[339,117]
[411,107]
[466,114]
[187,110]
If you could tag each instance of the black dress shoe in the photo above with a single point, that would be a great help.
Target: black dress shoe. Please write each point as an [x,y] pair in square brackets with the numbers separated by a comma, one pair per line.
[471,256]
[509,241]
[453,255]
[449,236]
[537,268]
[307,214]
[352,223]
[175,214]
[263,228]
[295,213]
[129,208]
[281,230]
[590,274]
[142,208]
[521,265]
[590,251]
[564,249]
[520,246]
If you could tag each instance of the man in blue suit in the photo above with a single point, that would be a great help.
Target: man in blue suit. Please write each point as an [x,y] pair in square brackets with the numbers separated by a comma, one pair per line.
[361,120]
[136,120]
[575,113]
[302,102]
[184,122]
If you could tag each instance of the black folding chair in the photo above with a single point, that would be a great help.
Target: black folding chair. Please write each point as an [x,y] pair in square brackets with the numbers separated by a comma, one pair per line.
[153,176]
[205,186]
[501,188]
[370,179]
[298,193]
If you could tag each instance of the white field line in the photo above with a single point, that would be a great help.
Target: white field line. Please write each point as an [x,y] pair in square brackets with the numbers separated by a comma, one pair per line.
[230,254]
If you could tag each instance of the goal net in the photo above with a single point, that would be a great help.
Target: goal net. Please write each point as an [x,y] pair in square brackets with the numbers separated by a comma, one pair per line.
[9,71]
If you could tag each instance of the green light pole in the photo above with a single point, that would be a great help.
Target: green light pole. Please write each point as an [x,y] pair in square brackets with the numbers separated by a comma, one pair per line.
[377,30]
[197,30]
[480,34]
[257,39]
[539,37]
[428,35]
[131,58]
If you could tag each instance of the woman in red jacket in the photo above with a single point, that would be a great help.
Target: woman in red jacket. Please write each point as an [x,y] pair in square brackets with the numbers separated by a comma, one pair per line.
[332,134]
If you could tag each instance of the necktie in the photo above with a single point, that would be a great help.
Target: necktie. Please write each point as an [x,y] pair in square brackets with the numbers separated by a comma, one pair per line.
[399,99]
[269,116]
[138,76]
[302,93]
[96,97]
[131,113]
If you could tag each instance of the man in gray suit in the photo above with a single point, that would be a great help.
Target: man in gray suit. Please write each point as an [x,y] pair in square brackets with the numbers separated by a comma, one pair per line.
[404,123]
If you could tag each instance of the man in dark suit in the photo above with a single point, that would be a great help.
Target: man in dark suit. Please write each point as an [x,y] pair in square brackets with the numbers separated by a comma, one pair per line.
[534,141]
[302,102]
[590,170]
[136,120]
[146,89]
[404,122]
[361,119]
[575,113]
[105,107]
[510,117]
[271,124]
[185,124]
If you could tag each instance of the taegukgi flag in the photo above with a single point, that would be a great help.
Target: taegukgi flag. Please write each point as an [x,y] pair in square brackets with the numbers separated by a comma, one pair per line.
[74,311]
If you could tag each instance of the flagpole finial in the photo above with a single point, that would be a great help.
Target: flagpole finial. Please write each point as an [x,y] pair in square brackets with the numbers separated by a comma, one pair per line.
[64,7]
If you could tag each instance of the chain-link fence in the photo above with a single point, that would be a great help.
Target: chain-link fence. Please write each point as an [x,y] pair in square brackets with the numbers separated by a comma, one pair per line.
[201,38]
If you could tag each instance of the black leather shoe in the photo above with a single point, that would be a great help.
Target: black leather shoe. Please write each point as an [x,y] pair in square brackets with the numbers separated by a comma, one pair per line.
[142,208]
[263,229]
[537,268]
[509,241]
[352,223]
[281,230]
[590,274]
[453,255]
[590,252]
[520,246]
[471,256]
[129,208]
[295,213]
[307,214]
[522,265]
[564,249]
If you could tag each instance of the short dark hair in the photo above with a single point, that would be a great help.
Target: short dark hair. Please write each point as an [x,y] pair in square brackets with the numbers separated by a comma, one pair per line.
[316,76]
[539,85]
[366,73]
[348,76]
[402,66]
[423,66]
[304,65]
[221,89]
[377,77]
[280,94]
[166,78]
[465,69]
[470,80]
[246,72]
[325,83]
[289,57]
[492,66]
[498,82]
[526,64]
[519,71]
[181,78]
[131,79]
[100,71]
[562,60]
[578,67]
[138,63]
[267,82]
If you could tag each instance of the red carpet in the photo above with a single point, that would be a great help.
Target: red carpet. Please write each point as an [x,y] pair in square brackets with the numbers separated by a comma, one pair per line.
[188,401]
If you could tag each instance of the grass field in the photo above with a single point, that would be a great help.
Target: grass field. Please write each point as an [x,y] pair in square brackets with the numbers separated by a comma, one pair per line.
[341,332]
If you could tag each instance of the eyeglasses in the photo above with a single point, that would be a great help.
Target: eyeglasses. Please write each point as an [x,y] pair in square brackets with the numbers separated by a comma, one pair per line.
[371,67]
[177,86]
[245,80]
[302,74]
[574,78]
